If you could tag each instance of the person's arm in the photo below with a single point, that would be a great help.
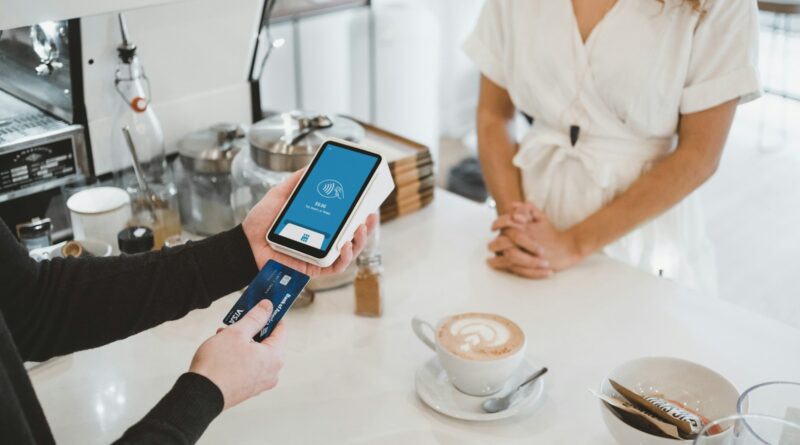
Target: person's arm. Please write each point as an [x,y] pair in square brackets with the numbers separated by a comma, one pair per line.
[497,146]
[181,416]
[702,138]
[226,370]
[229,367]
[64,305]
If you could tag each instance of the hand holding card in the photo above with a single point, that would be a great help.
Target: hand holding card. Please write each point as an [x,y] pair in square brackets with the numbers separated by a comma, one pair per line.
[238,366]
[277,283]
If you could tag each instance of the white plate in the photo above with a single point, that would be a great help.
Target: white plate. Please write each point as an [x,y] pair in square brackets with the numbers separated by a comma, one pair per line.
[95,247]
[434,388]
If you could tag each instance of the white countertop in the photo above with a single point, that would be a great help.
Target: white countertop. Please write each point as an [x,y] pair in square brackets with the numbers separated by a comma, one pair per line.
[349,379]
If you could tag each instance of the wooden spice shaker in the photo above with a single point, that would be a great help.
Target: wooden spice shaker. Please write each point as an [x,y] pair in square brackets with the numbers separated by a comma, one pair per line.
[368,282]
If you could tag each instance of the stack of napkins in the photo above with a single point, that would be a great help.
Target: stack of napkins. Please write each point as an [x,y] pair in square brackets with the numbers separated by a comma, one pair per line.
[412,169]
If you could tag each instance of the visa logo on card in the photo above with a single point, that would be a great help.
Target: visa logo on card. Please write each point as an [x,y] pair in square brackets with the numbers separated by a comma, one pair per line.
[279,284]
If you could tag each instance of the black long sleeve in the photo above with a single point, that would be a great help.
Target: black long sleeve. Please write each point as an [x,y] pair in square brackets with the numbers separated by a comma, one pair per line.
[60,306]
[181,416]
[65,305]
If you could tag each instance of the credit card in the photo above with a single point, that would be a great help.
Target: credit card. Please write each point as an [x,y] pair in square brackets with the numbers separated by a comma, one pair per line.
[275,282]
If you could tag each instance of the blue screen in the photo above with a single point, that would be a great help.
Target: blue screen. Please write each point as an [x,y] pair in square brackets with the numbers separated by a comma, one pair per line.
[322,203]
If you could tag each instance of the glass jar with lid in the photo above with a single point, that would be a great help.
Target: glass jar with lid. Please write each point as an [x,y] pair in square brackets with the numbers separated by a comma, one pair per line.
[203,173]
[278,146]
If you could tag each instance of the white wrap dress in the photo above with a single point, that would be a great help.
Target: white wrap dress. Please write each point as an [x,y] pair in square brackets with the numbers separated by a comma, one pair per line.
[642,66]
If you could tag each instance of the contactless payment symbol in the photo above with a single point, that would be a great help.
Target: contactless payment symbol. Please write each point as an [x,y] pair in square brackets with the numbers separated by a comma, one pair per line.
[330,188]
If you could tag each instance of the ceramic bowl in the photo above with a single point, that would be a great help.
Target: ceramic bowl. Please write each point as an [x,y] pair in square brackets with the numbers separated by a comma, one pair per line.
[696,386]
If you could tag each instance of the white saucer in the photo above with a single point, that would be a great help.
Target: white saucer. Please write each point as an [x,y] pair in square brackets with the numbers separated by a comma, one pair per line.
[434,388]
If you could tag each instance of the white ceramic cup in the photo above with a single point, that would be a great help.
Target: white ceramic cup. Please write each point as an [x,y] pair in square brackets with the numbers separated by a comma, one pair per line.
[473,377]
[99,213]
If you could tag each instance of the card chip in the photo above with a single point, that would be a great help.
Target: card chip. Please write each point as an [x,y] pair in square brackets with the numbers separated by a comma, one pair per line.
[275,282]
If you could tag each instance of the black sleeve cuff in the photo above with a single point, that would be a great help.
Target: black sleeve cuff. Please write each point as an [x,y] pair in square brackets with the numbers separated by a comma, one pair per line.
[181,416]
[225,261]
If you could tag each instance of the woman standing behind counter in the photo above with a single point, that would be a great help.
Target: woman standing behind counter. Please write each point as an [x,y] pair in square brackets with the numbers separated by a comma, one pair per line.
[609,85]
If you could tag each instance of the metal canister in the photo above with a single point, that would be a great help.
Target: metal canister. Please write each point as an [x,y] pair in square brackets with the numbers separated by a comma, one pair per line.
[288,141]
[278,146]
[36,233]
[204,177]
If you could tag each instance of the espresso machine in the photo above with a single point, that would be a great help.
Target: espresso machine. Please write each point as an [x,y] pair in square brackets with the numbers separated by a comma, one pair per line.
[43,132]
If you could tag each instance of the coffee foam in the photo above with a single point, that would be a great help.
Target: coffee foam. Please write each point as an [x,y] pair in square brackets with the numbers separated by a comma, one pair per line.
[479,336]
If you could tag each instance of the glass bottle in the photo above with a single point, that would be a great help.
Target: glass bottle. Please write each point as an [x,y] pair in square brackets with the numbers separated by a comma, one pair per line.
[158,209]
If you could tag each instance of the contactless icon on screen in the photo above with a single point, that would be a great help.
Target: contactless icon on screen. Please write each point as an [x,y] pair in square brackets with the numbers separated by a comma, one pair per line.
[330,188]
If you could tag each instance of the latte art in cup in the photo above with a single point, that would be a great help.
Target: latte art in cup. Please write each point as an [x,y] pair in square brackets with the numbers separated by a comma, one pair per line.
[479,336]
[478,351]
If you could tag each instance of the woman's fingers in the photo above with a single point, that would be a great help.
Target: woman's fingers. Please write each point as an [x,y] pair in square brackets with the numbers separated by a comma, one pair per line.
[520,215]
[498,262]
[506,242]
[500,244]
[527,211]
[521,239]
[514,238]
[515,257]
[504,264]
[531,273]
[536,214]
[505,221]
[518,258]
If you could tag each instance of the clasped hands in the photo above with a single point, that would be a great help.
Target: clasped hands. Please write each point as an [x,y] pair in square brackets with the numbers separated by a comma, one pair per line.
[529,245]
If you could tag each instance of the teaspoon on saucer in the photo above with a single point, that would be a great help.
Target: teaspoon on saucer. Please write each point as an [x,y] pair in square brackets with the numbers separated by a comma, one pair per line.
[497,404]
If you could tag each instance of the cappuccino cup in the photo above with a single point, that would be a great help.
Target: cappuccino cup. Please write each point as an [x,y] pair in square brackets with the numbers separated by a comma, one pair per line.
[478,351]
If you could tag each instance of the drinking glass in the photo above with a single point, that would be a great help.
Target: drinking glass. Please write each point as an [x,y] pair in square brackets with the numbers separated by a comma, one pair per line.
[750,429]
[776,399]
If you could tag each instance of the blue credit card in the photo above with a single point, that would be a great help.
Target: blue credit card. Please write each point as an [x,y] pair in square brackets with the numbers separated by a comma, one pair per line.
[277,283]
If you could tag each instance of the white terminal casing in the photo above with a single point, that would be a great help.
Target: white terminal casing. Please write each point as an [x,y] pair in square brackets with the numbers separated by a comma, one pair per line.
[379,187]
